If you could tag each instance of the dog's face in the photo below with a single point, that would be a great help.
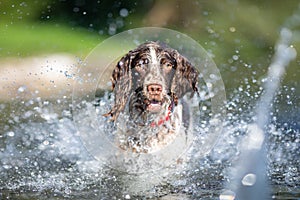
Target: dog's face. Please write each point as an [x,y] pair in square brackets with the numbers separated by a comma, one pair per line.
[152,72]
[150,79]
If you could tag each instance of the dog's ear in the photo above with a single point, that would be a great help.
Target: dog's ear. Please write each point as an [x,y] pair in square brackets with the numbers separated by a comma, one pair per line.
[185,78]
[121,84]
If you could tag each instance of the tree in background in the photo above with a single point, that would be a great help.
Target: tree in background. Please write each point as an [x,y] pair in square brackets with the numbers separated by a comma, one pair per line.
[100,16]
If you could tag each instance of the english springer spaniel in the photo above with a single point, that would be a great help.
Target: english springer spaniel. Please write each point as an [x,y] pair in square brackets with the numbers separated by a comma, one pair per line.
[148,84]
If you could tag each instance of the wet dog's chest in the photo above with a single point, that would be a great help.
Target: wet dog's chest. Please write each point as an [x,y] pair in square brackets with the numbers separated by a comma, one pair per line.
[152,136]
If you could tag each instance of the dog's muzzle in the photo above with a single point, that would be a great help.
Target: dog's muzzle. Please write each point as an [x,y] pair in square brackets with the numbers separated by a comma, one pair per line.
[154,88]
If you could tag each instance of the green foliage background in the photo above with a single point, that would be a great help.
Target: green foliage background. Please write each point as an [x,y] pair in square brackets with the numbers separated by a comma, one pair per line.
[244,28]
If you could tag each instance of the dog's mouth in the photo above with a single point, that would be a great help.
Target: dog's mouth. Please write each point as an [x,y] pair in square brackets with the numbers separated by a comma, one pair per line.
[155,99]
[154,105]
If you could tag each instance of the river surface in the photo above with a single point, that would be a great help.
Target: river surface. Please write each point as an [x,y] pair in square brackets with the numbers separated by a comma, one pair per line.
[43,157]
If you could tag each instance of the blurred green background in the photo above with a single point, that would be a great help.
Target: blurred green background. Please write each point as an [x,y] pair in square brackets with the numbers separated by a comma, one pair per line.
[239,34]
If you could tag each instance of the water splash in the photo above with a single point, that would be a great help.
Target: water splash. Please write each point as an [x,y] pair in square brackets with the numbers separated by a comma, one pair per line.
[249,176]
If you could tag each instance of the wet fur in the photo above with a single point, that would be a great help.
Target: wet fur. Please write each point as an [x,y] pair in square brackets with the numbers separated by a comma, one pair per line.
[128,85]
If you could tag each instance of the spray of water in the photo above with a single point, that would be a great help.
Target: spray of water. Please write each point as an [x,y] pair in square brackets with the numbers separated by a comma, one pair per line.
[249,174]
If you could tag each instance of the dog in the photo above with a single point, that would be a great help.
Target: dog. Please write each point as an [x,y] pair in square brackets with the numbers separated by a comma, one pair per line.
[149,83]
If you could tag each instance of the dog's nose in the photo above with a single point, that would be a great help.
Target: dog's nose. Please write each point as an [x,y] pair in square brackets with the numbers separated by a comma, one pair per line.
[154,89]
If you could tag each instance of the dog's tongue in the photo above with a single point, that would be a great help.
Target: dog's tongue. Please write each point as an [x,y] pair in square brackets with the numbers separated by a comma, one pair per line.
[154,107]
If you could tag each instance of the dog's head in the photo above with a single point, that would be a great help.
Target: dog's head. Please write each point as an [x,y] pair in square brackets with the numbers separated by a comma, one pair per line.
[152,78]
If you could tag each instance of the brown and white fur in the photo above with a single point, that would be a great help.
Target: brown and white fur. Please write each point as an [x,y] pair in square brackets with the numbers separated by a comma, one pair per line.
[148,83]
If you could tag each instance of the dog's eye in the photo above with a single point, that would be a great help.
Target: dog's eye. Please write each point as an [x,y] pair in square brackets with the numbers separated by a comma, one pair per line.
[167,66]
[141,66]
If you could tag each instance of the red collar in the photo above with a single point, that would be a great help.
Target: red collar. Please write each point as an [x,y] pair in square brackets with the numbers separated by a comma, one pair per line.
[162,120]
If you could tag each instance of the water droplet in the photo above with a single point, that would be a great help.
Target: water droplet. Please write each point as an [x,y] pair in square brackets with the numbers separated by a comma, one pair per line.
[124,12]
[11,134]
[227,195]
[67,191]
[75,9]
[249,180]
[22,88]
[112,29]
[68,75]
[101,32]
[232,29]
[6,166]
[127,196]
[235,57]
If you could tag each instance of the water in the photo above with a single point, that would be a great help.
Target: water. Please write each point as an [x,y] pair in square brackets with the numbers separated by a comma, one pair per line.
[43,154]
[249,174]
[43,158]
